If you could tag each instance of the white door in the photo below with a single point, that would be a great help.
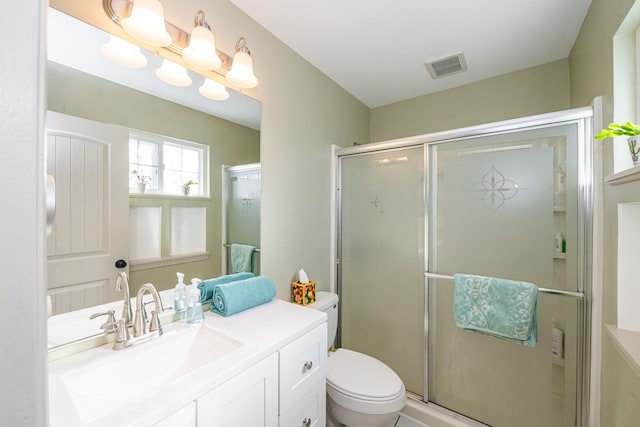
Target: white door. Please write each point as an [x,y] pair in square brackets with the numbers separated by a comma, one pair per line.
[89,161]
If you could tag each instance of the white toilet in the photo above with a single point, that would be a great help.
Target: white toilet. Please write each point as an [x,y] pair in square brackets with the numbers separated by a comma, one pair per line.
[361,391]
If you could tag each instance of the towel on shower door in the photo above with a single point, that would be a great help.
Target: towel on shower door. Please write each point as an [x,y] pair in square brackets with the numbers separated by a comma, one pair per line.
[207,286]
[498,307]
[241,257]
[234,297]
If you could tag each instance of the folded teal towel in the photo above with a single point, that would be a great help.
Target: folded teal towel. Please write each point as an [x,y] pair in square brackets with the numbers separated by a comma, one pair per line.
[206,286]
[241,257]
[234,297]
[497,307]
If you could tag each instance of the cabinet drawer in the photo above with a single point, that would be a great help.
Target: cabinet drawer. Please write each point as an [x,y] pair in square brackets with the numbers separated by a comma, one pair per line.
[303,364]
[309,410]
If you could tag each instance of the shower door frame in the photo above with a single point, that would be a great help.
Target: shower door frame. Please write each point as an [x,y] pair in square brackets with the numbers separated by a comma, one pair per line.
[583,119]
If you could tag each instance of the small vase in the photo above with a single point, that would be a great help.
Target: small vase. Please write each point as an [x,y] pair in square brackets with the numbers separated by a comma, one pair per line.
[632,141]
[185,190]
[141,187]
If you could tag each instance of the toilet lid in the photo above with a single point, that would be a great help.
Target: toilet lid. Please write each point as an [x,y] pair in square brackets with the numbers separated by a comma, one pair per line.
[360,375]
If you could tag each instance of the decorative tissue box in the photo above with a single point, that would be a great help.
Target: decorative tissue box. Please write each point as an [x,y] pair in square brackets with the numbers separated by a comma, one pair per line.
[303,293]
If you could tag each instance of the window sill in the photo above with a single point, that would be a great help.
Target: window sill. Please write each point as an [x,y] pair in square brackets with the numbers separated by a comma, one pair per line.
[167,196]
[625,176]
[628,345]
[145,264]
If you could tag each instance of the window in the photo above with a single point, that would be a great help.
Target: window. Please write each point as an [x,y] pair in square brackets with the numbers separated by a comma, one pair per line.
[167,164]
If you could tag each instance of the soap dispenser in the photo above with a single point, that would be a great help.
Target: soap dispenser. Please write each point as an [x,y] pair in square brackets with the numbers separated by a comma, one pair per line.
[194,306]
[180,295]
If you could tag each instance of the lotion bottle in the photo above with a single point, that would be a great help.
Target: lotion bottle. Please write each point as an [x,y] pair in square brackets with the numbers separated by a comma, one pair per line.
[194,306]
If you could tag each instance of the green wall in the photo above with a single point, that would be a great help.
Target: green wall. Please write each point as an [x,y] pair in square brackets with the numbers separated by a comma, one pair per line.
[82,95]
[591,64]
[536,90]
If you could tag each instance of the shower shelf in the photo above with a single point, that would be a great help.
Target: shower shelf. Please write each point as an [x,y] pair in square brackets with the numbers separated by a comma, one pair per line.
[559,208]
[560,255]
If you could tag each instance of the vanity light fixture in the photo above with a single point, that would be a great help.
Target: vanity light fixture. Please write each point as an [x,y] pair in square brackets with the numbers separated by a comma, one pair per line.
[213,90]
[241,72]
[201,52]
[146,23]
[124,53]
[173,73]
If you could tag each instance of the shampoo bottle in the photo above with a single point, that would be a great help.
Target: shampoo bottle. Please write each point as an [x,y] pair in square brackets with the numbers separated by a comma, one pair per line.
[559,242]
[180,295]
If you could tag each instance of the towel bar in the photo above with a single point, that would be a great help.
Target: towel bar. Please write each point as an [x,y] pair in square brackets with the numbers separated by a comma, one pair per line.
[228,245]
[578,295]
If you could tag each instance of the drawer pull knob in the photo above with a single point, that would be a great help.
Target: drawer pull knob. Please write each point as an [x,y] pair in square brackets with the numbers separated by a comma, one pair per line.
[308,365]
[306,422]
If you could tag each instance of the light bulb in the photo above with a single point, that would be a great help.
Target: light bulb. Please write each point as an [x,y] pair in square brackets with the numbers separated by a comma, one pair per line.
[124,53]
[146,23]
[173,73]
[213,90]
[241,72]
[201,52]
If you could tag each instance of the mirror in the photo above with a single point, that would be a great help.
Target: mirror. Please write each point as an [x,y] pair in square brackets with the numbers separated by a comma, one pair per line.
[81,82]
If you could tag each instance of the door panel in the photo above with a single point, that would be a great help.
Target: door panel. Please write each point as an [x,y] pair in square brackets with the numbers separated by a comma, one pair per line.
[89,163]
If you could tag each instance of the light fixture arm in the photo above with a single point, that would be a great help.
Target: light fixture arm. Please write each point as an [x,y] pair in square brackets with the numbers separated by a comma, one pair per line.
[241,46]
[199,21]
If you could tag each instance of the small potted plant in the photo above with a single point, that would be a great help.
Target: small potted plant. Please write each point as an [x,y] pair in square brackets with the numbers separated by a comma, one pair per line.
[630,130]
[141,180]
[187,186]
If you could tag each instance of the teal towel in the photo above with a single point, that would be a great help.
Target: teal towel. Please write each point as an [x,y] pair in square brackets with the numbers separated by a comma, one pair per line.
[241,257]
[234,297]
[206,286]
[498,307]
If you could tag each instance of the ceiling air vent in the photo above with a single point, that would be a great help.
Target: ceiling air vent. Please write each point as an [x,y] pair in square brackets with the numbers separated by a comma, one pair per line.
[442,67]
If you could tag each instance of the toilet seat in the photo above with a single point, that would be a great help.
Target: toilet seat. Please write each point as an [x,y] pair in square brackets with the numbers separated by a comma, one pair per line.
[364,384]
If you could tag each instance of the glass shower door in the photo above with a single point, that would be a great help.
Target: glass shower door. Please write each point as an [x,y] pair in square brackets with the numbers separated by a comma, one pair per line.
[496,205]
[242,216]
[382,259]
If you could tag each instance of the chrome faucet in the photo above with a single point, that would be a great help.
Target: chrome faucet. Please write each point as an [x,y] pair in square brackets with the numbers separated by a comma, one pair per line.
[139,324]
[127,314]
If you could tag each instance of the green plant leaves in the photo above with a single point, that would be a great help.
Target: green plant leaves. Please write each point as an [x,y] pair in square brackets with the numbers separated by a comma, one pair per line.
[616,129]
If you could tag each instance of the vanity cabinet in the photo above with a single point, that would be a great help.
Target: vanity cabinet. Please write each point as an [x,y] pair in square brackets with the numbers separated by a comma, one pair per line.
[287,389]
[303,371]
[249,399]
[265,367]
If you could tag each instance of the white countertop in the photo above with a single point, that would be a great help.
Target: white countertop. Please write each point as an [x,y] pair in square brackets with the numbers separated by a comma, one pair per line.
[261,330]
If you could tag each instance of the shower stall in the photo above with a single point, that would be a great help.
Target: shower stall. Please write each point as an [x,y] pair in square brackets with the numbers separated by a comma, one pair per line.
[509,200]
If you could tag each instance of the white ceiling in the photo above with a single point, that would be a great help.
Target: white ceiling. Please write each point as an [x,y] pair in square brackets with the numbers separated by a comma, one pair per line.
[376,49]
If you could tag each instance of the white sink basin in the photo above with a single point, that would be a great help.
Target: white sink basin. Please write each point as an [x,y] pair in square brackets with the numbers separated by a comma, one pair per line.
[114,379]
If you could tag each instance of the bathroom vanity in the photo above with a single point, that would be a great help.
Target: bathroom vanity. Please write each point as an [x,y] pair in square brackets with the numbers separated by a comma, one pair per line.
[263,367]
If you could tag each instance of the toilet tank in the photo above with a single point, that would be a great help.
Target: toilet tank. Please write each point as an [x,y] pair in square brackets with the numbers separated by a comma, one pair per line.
[328,302]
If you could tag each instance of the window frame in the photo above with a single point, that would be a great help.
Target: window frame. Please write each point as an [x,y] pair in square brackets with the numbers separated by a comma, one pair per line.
[161,141]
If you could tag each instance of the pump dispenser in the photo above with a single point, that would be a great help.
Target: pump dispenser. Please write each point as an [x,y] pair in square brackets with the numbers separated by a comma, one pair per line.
[194,306]
[180,295]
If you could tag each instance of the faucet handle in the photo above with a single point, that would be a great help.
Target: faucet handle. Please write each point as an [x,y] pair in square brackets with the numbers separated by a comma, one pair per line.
[110,324]
[154,325]
[122,335]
